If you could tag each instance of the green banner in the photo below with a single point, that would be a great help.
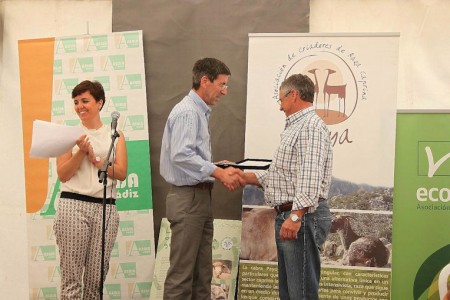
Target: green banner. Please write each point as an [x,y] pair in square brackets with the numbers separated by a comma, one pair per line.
[421,239]
[135,192]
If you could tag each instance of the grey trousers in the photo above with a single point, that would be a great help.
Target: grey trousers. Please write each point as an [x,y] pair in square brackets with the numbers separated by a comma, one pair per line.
[189,212]
[78,231]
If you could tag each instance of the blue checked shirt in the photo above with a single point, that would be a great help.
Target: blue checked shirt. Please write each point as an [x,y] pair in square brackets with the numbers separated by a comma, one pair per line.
[300,171]
[186,148]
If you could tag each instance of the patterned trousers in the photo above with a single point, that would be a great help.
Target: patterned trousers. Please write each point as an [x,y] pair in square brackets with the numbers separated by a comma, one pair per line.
[78,231]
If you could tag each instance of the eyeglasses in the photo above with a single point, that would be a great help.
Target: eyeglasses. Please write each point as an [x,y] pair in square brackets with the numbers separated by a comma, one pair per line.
[285,95]
[222,86]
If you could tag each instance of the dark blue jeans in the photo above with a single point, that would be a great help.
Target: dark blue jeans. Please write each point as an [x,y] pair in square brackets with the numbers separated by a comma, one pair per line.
[299,260]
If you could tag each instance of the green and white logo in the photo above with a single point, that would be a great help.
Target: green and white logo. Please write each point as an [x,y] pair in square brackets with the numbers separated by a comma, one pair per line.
[113,62]
[434,158]
[44,253]
[66,45]
[96,42]
[127,40]
[113,291]
[139,248]
[83,65]
[139,290]
[130,82]
[126,228]
[126,270]
[434,163]
[135,122]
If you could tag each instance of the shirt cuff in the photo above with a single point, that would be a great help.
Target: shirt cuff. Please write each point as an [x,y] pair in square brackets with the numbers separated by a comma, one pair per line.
[261,177]
[207,170]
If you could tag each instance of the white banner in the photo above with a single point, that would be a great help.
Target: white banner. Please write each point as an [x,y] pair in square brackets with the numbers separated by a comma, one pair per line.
[115,60]
[362,76]
[355,78]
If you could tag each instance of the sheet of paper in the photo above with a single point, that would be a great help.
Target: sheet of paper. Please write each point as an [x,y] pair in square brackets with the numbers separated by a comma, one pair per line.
[51,140]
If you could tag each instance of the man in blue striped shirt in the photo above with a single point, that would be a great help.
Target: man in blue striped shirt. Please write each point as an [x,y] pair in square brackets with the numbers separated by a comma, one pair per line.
[186,164]
[296,185]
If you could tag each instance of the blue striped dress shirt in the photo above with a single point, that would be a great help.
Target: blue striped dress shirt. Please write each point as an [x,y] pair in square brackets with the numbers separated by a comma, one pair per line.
[186,147]
[301,168]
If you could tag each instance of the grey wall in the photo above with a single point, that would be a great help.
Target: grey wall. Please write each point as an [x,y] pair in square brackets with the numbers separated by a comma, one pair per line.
[176,34]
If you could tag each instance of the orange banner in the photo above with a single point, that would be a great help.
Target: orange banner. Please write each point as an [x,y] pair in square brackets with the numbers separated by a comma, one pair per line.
[36,78]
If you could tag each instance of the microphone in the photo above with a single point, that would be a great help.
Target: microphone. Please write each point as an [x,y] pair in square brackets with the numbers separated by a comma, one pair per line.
[115,116]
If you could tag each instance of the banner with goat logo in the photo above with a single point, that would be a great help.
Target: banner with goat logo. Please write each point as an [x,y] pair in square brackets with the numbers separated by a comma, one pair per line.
[355,92]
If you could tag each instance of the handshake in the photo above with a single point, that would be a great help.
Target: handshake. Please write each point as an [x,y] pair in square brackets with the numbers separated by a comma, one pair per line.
[232,178]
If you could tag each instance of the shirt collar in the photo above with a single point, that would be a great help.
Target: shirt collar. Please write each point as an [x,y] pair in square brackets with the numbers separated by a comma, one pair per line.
[204,108]
[295,117]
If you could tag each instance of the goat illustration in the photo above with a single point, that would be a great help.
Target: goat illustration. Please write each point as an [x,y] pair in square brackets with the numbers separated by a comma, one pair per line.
[329,90]
[316,87]
[359,250]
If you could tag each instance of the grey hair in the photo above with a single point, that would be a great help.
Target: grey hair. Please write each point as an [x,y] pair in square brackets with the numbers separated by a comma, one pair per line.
[302,84]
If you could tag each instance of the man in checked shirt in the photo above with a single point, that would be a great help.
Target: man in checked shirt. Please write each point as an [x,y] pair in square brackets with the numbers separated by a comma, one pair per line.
[296,185]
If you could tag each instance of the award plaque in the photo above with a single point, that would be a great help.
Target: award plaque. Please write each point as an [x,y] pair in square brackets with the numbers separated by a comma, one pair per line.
[248,164]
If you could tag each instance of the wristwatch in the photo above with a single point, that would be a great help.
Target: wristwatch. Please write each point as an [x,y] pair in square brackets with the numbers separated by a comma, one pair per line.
[294,218]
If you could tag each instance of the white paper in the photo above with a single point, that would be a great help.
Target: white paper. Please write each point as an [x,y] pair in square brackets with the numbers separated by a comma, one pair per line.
[51,140]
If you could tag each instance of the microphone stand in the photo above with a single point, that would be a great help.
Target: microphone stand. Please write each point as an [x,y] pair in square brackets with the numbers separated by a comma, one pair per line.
[103,177]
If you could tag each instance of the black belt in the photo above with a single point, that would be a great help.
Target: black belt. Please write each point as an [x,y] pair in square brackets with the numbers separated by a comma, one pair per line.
[75,196]
[202,185]
[288,206]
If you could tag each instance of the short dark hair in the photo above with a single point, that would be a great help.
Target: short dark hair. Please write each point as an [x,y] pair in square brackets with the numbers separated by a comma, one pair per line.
[302,84]
[93,87]
[209,67]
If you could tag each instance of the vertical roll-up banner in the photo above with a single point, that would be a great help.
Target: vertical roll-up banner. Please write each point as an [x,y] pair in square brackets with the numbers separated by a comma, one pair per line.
[421,260]
[225,259]
[355,78]
[49,70]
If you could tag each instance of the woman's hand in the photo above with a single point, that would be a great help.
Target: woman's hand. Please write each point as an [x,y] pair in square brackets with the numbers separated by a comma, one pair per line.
[84,144]
[68,164]
[92,157]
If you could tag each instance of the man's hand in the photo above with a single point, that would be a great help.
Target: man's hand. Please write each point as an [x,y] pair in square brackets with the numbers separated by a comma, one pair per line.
[231,178]
[289,229]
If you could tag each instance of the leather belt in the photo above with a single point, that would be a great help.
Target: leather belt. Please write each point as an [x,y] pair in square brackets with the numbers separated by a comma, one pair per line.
[288,206]
[202,185]
[283,207]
